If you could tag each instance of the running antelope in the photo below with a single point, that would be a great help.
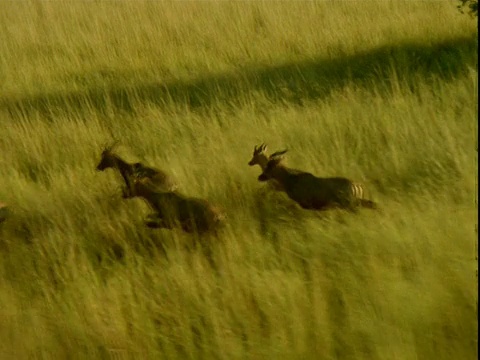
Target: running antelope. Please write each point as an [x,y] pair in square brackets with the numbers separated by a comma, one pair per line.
[158,177]
[261,158]
[175,210]
[312,192]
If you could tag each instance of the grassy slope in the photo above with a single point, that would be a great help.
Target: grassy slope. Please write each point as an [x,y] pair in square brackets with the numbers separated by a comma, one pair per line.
[383,92]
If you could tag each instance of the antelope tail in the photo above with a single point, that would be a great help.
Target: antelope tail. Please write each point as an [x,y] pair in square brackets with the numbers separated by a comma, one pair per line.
[220,217]
[359,194]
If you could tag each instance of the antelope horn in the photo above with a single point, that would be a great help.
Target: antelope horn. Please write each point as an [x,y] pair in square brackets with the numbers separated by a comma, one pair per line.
[259,148]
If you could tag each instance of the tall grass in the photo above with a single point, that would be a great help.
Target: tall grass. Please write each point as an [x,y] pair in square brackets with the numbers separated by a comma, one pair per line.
[379,91]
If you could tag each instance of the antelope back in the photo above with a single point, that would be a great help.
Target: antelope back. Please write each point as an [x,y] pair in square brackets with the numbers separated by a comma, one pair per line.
[158,178]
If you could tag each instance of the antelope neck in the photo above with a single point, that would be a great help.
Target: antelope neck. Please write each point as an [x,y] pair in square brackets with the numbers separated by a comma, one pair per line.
[263,161]
[280,173]
[123,167]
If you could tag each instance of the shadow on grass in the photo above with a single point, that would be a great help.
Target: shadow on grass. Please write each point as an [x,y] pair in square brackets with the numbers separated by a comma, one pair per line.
[291,82]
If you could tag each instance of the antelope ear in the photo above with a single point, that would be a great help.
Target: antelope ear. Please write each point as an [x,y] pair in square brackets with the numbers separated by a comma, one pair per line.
[278,154]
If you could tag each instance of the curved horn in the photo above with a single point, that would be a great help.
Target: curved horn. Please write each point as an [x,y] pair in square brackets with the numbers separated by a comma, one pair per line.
[260,148]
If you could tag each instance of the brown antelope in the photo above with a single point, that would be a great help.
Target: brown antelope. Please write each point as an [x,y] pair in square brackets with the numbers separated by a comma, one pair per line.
[158,177]
[175,210]
[261,158]
[312,192]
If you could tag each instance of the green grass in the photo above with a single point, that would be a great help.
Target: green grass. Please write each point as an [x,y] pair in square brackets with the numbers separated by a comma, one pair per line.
[383,92]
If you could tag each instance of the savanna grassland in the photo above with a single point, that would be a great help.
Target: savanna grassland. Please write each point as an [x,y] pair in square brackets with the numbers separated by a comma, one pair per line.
[383,92]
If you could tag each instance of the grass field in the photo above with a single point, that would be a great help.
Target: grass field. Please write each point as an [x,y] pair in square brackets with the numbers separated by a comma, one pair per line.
[383,92]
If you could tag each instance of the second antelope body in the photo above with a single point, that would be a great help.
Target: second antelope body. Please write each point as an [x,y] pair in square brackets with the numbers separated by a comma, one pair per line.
[173,209]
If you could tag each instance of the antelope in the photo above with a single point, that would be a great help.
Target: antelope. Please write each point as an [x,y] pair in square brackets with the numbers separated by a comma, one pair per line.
[261,158]
[175,210]
[312,192]
[158,177]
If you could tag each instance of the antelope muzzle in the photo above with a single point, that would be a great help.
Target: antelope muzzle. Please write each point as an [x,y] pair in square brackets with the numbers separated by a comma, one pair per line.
[102,165]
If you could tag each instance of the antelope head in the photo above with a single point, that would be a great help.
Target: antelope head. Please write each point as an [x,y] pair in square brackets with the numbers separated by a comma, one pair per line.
[259,156]
[108,159]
